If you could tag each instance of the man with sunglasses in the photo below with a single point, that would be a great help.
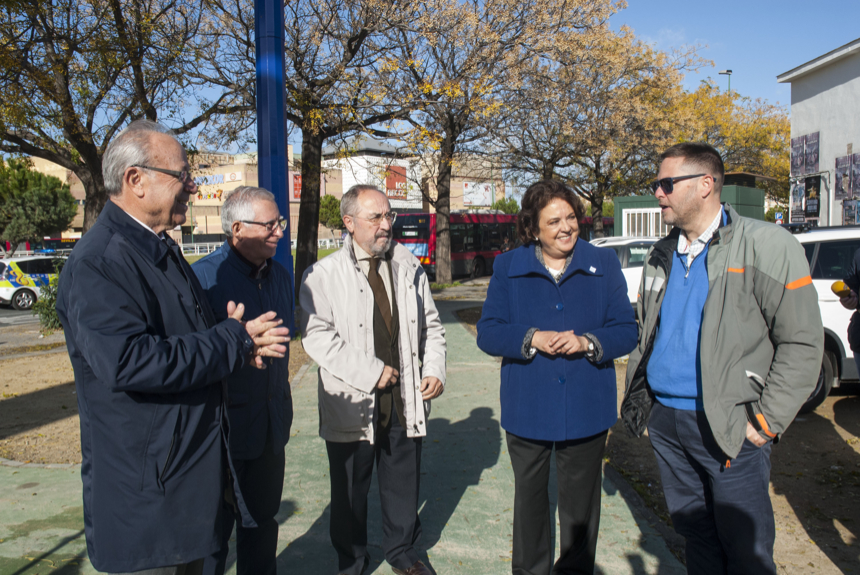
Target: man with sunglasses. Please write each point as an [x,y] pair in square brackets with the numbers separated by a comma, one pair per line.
[259,403]
[730,344]
[151,362]
[370,323]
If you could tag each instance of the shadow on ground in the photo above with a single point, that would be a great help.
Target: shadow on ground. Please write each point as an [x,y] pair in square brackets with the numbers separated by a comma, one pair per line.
[29,411]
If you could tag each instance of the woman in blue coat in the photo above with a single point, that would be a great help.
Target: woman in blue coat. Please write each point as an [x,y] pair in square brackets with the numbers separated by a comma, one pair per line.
[557,313]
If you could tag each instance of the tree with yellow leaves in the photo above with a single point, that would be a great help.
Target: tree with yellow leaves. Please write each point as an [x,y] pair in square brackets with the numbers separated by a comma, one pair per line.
[596,115]
[752,135]
[460,65]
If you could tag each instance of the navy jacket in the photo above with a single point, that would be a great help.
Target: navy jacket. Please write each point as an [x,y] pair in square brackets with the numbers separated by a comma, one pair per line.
[150,361]
[561,397]
[255,398]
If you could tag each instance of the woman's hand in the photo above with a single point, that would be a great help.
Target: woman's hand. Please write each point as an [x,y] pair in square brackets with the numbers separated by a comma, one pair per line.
[541,339]
[568,343]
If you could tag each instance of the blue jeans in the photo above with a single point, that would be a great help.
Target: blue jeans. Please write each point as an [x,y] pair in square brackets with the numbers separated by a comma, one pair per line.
[724,513]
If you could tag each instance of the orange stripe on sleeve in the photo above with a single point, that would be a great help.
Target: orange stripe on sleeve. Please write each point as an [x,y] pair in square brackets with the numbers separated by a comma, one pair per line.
[804,281]
[763,422]
[736,270]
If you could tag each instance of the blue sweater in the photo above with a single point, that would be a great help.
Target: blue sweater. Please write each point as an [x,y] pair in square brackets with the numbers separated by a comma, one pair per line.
[674,371]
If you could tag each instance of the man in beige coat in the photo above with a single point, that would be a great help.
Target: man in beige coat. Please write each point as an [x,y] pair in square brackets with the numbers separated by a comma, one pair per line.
[370,323]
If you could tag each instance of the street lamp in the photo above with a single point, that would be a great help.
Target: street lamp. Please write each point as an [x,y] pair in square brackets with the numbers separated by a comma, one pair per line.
[729,74]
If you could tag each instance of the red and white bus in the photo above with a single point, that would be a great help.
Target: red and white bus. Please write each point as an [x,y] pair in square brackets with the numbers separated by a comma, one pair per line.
[476,239]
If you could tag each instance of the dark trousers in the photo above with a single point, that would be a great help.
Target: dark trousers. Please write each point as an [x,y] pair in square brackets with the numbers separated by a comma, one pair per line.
[261,481]
[578,465]
[725,513]
[398,463]
[193,568]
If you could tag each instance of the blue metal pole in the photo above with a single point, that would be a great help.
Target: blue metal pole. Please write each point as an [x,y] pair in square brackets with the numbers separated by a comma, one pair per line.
[273,171]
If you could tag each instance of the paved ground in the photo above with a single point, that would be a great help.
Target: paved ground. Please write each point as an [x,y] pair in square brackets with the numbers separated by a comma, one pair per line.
[467,490]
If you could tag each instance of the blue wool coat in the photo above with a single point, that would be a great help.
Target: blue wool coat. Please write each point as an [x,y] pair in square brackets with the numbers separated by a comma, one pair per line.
[555,398]
[256,398]
[150,363]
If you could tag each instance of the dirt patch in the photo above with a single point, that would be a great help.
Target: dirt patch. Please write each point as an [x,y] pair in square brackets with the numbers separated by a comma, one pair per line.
[815,481]
[39,408]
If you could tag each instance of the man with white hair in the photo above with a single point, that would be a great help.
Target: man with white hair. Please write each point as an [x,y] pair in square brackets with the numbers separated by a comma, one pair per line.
[259,404]
[150,363]
[370,323]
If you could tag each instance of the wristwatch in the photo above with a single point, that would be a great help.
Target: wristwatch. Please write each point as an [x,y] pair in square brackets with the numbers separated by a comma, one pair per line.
[589,353]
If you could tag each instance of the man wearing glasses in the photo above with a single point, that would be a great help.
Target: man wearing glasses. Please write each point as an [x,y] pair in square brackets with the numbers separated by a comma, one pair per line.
[259,403]
[730,344]
[370,323]
[151,361]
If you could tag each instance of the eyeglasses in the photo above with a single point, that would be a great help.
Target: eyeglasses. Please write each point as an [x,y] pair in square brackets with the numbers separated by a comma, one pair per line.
[377,219]
[280,224]
[184,176]
[668,184]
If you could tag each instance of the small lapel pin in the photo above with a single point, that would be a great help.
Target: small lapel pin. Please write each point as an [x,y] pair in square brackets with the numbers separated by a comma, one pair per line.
[592,269]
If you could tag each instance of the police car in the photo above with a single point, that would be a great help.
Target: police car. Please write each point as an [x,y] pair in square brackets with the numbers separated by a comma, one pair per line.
[22,279]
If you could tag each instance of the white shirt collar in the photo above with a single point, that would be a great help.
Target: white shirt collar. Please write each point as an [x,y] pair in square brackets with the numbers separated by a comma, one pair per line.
[159,236]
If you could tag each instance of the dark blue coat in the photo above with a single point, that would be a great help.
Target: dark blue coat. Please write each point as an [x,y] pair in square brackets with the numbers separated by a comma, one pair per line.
[562,397]
[255,397]
[150,362]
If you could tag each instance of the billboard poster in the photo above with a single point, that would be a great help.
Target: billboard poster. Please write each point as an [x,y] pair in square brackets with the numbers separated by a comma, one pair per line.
[797,195]
[233,177]
[395,183]
[842,179]
[813,189]
[855,175]
[849,212]
[811,163]
[296,188]
[797,155]
[478,194]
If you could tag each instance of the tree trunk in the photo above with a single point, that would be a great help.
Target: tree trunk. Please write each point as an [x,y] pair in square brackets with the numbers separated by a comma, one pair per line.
[443,213]
[95,193]
[309,209]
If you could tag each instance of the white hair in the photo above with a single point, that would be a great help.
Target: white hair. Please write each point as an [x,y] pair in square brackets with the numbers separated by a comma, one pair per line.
[239,206]
[131,146]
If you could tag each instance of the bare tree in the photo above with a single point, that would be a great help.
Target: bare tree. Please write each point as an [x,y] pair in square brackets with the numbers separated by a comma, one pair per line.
[75,72]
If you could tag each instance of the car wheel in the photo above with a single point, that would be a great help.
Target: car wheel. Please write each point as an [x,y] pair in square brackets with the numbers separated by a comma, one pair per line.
[823,385]
[23,299]
[479,268]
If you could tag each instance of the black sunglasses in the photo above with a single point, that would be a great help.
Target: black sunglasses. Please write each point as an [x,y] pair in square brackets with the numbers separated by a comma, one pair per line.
[668,184]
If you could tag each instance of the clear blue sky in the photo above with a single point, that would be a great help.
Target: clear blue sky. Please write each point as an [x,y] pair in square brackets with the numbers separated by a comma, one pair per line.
[756,39]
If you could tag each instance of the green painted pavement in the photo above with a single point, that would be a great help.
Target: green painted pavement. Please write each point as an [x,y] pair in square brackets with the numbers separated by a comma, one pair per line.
[466,493]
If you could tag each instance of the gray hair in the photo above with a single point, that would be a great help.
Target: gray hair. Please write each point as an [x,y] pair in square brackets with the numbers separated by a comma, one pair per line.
[239,206]
[349,201]
[131,146]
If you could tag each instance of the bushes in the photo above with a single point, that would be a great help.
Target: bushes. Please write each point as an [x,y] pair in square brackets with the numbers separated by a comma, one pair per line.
[46,306]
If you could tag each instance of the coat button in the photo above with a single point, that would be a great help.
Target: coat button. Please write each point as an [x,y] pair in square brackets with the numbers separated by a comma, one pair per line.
[259,286]
[414,354]
[561,380]
[359,325]
[559,306]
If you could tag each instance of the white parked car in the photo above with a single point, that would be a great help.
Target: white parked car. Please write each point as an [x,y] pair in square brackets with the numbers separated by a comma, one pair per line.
[830,252]
[631,253]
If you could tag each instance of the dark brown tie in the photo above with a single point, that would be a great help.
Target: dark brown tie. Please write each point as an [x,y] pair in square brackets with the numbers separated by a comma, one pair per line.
[379,294]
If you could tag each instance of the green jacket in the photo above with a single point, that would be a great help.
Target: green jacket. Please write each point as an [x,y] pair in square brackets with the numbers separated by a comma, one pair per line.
[761,338]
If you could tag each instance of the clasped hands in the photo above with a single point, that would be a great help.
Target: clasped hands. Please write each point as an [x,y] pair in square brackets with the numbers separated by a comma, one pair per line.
[431,387]
[559,342]
[849,302]
[265,331]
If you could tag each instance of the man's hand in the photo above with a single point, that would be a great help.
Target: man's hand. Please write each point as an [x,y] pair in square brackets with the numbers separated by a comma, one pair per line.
[849,302]
[265,332]
[431,388]
[388,378]
[541,340]
[568,343]
[754,436]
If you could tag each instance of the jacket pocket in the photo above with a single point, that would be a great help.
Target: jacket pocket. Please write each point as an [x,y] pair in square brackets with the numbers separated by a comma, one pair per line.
[172,448]
[342,407]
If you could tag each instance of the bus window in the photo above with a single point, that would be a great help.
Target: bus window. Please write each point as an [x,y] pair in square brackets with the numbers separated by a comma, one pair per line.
[492,237]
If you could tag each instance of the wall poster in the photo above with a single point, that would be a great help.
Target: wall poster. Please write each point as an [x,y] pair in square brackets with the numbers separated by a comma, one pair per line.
[811,163]
[797,155]
[842,179]
[797,195]
[478,194]
[813,189]
[849,212]
[395,183]
[855,175]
